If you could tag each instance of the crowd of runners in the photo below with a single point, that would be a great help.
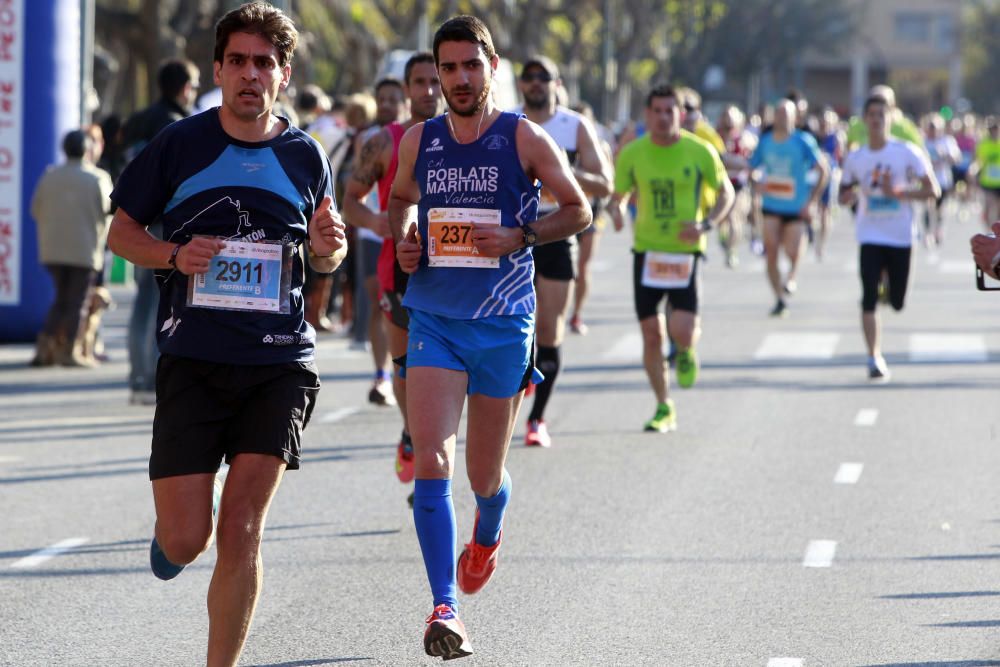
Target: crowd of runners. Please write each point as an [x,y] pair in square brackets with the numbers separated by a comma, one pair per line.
[471,229]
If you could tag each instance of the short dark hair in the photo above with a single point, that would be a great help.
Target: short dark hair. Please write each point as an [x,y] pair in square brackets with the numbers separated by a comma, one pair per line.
[174,75]
[75,144]
[262,19]
[307,100]
[388,81]
[661,90]
[416,59]
[795,95]
[464,29]
[873,100]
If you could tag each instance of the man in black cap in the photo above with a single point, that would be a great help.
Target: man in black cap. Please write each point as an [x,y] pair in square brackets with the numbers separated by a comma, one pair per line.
[555,265]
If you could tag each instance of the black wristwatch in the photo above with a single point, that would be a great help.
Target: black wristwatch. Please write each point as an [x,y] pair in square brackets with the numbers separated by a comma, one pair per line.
[529,236]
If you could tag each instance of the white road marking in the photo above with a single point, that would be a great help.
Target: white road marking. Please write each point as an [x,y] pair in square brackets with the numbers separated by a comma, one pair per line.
[958,268]
[10,459]
[820,553]
[947,347]
[784,662]
[866,417]
[628,347]
[337,415]
[848,473]
[106,420]
[602,266]
[39,557]
[797,346]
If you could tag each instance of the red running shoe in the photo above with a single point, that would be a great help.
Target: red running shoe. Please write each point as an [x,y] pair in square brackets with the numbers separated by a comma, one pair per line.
[404,460]
[477,563]
[537,434]
[445,635]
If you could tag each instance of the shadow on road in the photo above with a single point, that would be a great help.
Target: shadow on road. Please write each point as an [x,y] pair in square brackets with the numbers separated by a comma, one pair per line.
[946,663]
[310,663]
[941,596]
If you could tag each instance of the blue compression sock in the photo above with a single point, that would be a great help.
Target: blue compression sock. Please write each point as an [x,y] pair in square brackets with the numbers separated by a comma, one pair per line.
[434,518]
[491,513]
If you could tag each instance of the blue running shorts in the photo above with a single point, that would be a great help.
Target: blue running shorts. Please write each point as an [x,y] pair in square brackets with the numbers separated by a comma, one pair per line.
[496,352]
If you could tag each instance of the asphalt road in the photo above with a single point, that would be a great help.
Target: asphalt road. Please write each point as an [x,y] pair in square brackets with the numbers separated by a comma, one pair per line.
[799,516]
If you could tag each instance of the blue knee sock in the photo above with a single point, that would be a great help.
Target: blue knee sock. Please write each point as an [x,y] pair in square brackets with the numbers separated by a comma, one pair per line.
[491,513]
[434,518]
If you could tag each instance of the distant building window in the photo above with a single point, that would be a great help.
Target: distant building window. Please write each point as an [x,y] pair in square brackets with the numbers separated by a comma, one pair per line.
[946,37]
[913,27]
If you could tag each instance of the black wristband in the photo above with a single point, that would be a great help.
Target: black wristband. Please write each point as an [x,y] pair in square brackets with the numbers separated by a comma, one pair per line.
[173,255]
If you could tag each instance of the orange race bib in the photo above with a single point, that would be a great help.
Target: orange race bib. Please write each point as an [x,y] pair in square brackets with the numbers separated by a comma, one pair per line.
[779,188]
[663,270]
[449,237]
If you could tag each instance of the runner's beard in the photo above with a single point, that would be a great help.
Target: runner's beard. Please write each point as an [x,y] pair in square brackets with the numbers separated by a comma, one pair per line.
[536,102]
[477,105]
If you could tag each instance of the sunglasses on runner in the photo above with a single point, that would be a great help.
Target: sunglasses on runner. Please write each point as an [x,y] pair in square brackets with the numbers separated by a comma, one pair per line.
[544,77]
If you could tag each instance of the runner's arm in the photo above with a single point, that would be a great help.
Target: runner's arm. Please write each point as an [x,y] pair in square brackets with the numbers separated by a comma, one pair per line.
[847,195]
[327,244]
[541,160]
[724,201]
[403,200]
[617,207]
[624,187]
[375,154]
[824,177]
[593,170]
[929,189]
[546,162]
[129,239]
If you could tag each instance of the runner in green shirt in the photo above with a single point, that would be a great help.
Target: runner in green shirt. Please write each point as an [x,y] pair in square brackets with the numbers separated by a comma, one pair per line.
[986,171]
[670,169]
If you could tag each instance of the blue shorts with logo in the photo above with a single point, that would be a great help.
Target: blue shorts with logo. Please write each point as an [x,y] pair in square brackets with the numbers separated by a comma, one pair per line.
[497,352]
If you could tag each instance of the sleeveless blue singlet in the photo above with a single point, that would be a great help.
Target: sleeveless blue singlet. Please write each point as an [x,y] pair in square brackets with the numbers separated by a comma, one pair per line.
[485,174]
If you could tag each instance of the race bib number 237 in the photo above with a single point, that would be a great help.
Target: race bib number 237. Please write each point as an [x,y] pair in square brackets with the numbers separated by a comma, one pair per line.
[449,237]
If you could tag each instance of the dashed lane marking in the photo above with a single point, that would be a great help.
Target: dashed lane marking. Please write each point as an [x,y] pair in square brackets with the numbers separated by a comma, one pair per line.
[797,346]
[628,347]
[848,473]
[866,417]
[338,415]
[947,347]
[41,556]
[820,553]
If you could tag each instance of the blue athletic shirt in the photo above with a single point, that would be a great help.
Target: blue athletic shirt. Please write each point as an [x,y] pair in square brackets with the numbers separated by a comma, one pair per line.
[786,166]
[199,180]
[485,176]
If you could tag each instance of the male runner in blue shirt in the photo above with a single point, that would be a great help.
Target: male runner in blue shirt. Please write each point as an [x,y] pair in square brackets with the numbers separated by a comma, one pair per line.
[239,192]
[463,212]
